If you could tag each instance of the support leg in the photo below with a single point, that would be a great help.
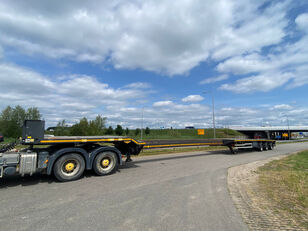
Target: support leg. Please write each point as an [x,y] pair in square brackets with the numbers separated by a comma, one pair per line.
[128,159]
[231,149]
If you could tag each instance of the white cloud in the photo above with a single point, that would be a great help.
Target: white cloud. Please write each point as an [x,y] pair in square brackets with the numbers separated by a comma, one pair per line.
[302,21]
[1,53]
[162,103]
[76,96]
[282,107]
[214,79]
[70,97]
[286,63]
[192,98]
[138,85]
[253,30]
[245,64]
[141,34]
[255,83]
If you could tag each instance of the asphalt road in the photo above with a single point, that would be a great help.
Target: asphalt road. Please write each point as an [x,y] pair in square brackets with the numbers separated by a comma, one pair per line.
[167,192]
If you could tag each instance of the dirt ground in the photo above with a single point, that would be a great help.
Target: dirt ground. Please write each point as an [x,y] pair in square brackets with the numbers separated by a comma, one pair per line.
[256,210]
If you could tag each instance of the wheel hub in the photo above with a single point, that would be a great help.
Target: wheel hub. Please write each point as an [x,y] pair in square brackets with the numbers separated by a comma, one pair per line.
[105,162]
[69,167]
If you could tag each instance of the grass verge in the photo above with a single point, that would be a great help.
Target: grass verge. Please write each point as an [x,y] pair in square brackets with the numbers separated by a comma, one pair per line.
[285,183]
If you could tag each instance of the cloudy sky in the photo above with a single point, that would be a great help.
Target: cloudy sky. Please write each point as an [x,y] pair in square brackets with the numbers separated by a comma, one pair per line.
[160,58]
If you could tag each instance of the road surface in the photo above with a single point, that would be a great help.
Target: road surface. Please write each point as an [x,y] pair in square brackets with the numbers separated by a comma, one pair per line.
[185,191]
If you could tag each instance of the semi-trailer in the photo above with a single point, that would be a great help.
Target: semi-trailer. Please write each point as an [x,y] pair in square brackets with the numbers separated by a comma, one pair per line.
[67,157]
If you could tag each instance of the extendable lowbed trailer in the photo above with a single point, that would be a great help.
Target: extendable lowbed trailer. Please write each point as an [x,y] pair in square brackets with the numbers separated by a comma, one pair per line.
[68,157]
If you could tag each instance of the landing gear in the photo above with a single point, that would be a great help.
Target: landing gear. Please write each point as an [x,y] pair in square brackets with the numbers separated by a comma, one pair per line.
[128,159]
[231,149]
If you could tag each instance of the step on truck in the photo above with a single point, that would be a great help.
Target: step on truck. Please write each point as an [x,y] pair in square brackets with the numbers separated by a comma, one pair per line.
[67,157]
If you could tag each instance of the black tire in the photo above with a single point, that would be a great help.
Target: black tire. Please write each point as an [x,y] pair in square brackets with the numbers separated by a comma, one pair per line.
[270,146]
[265,147]
[69,167]
[105,163]
[261,147]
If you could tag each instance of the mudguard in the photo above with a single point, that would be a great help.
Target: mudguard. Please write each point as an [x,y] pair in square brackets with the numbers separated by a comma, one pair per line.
[57,154]
[103,149]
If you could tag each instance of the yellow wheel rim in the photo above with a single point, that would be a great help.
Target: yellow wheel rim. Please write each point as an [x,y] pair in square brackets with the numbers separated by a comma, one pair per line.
[69,167]
[105,162]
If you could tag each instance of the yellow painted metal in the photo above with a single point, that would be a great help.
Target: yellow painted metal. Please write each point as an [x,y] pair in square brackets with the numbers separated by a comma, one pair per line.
[91,140]
[105,162]
[178,145]
[254,140]
[200,132]
[69,166]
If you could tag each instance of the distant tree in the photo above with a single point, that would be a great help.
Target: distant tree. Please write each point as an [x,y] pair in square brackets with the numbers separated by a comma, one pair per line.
[147,131]
[62,129]
[137,131]
[127,131]
[100,122]
[33,114]
[81,128]
[12,119]
[109,130]
[8,126]
[84,127]
[119,130]
[19,115]
[96,127]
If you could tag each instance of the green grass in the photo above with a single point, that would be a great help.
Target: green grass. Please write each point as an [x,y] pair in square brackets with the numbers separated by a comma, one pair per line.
[285,183]
[8,140]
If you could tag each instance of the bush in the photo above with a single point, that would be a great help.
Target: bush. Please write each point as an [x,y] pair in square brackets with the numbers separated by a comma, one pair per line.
[85,127]
[137,131]
[119,130]
[109,131]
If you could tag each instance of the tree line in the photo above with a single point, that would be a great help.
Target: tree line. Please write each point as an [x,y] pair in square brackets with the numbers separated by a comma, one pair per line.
[94,127]
[12,119]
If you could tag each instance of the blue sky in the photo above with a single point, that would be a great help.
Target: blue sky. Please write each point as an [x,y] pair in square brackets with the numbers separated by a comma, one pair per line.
[77,59]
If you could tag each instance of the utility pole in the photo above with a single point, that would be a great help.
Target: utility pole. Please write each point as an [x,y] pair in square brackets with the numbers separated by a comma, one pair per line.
[288,128]
[141,124]
[213,112]
[213,116]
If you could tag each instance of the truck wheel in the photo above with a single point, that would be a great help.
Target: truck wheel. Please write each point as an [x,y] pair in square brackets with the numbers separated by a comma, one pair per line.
[265,148]
[270,146]
[261,147]
[105,163]
[69,167]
